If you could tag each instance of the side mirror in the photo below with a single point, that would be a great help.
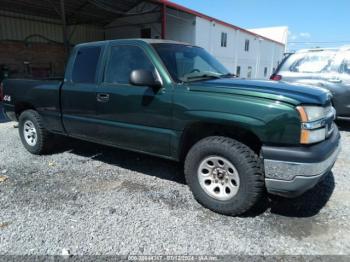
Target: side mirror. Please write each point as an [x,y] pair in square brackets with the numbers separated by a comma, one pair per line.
[141,77]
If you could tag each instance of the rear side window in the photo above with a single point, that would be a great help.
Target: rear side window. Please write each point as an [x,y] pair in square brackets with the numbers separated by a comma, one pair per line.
[85,64]
[311,62]
[123,60]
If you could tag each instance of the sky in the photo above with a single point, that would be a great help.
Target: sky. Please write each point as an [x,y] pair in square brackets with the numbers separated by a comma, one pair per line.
[311,23]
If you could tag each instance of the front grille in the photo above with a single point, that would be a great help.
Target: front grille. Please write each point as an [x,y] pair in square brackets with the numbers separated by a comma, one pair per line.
[330,129]
[328,110]
[331,115]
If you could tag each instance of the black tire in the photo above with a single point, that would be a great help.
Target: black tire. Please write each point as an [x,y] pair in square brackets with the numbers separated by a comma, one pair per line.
[43,137]
[248,165]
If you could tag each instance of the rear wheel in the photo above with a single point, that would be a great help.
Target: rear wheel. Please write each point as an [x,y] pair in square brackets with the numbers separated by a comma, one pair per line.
[224,175]
[34,137]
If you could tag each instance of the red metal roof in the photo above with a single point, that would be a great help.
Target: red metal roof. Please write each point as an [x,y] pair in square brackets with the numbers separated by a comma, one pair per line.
[193,12]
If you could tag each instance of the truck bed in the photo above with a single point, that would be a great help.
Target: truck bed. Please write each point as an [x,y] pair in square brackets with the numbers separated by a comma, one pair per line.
[41,95]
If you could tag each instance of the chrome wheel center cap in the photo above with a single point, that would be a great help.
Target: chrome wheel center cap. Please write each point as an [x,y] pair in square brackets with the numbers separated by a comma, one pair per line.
[218,177]
[221,174]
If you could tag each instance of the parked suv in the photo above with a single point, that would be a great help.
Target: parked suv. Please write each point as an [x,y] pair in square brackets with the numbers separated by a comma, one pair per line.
[327,68]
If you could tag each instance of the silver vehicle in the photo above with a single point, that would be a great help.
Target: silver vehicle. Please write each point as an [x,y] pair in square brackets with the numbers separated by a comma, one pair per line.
[326,68]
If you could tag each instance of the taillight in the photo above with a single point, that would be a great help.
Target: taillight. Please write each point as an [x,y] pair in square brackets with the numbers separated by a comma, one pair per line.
[276,77]
[1,92]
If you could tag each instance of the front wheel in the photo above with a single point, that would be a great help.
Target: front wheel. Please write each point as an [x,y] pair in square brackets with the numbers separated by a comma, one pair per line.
[224,175]
[35,138]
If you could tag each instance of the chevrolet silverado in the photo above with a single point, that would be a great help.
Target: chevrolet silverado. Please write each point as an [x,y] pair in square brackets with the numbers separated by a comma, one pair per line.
[238,139]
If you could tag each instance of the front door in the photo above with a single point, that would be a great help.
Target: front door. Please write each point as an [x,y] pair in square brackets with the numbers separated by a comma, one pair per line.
[133,117]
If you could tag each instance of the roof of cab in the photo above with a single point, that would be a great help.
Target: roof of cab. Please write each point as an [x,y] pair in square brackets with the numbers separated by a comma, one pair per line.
[148,41]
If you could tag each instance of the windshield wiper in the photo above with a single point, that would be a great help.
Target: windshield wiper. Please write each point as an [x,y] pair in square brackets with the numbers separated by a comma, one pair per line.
[228,75]
[203,75]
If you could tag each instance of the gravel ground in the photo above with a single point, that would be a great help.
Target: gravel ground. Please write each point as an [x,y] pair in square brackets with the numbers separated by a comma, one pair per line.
[91,199]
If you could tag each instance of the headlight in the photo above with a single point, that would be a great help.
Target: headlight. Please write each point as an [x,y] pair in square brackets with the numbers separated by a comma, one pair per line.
[312,113]
[313,124]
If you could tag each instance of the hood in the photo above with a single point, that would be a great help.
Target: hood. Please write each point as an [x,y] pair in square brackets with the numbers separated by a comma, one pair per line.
[295,94]
[317,82]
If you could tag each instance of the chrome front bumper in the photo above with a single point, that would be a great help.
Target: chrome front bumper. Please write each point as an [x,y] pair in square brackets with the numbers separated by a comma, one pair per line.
[283,170]
[309,166]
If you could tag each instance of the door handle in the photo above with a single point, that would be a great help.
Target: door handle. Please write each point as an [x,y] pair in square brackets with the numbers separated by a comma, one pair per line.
[102,97]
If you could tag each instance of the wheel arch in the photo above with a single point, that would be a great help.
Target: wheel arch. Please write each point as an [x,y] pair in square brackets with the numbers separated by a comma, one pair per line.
[196,131]
[20,107]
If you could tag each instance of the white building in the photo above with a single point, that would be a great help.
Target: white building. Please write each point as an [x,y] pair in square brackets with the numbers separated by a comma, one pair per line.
[32,42]
[253,53]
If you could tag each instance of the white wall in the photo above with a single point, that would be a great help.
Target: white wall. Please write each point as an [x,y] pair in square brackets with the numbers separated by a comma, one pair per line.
[208,36]
[262,53]
[278,33]
[180,26]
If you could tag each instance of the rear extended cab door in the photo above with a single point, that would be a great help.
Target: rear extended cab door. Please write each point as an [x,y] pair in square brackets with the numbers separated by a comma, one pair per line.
[78,93]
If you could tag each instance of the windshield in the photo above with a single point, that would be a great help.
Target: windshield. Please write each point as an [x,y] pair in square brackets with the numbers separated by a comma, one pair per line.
[312,62]
[188,63]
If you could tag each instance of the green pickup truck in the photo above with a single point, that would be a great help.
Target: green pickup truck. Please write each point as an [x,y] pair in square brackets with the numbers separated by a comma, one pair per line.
[238,139]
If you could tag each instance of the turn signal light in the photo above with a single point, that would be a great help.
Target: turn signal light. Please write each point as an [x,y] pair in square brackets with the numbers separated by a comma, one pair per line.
[305,136]
[302,113]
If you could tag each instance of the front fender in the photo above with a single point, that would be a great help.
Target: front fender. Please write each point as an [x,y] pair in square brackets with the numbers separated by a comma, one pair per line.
[249,123]
[272,124]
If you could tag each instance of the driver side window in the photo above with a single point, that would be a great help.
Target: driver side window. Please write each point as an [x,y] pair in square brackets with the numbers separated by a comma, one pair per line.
[123,60]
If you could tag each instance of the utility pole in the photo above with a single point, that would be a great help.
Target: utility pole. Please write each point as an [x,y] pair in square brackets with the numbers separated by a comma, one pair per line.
[164,21]
[64,28]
